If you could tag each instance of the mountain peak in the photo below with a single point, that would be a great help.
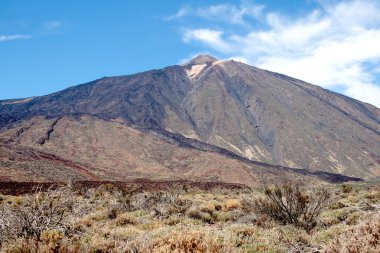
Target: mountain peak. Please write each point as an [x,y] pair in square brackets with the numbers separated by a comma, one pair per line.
[201,59]
[255,114]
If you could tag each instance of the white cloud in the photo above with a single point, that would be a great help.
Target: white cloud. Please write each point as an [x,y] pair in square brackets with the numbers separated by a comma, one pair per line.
[212,38]
[14,37]
[336,46]
[365,92]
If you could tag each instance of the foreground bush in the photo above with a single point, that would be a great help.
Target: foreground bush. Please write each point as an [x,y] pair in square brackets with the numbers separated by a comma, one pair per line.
[291,204]
[35,214]
[364,237]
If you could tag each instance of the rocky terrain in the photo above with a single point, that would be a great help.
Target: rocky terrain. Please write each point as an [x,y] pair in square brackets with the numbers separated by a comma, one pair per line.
[87,148]
[204,120]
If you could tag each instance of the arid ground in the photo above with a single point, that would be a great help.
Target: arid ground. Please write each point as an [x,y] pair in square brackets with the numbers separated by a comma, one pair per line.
[188,217]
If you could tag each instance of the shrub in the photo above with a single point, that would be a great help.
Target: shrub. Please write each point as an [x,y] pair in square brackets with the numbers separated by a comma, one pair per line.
[248,204]
[39,212]
[353,199]
[222,216]
[196,214]
[346,188]
[232,204]
[353,219]
[337,205]
[364,237]
[50,242]
[194,241]
[291,204]
[163,204]
[208,207]
[125,219]
[127,198]
[373,197]
[52,239]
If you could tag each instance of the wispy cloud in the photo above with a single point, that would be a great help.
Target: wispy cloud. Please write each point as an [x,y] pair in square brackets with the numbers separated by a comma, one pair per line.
[52,25]
[335,46]
[225,12]
[48,27]
[210,37]
[183,11]
[14,37]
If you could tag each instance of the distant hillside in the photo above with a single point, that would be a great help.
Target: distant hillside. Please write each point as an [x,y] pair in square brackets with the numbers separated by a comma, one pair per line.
[207,118]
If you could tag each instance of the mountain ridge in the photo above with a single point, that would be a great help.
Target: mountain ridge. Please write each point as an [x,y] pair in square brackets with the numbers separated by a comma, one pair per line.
[256,114]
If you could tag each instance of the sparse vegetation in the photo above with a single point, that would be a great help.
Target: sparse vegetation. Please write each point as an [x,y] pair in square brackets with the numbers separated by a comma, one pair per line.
[346,188]
[283,218]
[36,214]
[292,204]
[364,237]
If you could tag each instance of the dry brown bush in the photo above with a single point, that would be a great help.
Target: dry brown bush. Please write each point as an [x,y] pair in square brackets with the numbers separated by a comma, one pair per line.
[291,204]
[231,204]
[38,212]
[50,242]
[197,214]
[364,237]
[163,204]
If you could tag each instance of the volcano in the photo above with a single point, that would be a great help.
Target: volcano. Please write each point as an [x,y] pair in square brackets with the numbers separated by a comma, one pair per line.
[204,120]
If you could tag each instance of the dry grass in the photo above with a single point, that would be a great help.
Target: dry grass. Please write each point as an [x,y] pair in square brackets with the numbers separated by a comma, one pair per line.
[111,220]
[194,241]
[232,204]
[364,237]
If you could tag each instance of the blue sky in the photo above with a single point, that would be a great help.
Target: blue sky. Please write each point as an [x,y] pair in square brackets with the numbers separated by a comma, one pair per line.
[46,46]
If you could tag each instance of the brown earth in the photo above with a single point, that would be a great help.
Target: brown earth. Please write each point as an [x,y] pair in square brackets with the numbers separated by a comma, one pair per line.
[87,148]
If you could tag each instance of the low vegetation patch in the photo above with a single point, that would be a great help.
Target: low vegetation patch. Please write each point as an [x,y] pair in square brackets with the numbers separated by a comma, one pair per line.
[364,237]
[282,218]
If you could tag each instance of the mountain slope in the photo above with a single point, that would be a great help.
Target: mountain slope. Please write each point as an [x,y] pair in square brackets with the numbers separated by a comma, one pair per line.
[87,148]
[256,114]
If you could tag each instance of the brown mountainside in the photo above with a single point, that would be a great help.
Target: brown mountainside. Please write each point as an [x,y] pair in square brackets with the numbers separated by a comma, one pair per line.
[87,148]
[222,109]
